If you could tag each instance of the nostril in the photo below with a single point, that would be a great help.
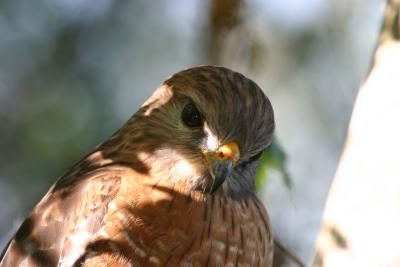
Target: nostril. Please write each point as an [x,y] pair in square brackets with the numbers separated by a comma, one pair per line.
[221,154]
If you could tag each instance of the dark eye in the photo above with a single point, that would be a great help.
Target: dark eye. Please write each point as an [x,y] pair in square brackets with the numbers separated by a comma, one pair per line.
[191,116]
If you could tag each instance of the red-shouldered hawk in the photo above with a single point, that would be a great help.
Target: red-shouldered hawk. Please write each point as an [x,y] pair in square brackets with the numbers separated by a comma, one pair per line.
[173,187]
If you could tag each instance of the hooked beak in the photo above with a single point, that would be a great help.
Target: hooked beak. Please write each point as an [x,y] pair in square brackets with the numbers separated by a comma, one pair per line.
[221,163]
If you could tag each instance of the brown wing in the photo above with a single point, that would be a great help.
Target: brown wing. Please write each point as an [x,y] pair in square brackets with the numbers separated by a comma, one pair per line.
[71,213]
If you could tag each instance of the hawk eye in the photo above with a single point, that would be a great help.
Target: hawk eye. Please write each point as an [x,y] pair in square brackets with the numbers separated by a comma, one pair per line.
[191,116]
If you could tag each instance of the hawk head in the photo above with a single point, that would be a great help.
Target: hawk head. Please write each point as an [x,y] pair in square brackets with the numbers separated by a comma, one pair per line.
[204,128]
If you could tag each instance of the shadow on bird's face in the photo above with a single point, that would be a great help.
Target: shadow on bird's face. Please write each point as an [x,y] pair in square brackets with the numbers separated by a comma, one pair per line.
[205,126]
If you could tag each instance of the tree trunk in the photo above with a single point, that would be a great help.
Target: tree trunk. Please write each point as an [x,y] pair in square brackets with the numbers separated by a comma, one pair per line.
[361,224]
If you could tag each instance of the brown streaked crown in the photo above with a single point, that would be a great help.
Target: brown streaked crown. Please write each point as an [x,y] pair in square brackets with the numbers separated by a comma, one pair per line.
[232,107]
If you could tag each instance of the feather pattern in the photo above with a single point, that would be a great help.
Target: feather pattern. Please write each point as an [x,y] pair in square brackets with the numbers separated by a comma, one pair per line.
[142,197]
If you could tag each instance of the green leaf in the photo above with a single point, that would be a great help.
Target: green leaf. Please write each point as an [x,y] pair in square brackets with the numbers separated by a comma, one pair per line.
[274,157]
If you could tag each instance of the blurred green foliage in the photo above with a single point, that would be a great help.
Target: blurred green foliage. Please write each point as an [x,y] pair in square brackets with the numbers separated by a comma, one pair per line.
[273,158]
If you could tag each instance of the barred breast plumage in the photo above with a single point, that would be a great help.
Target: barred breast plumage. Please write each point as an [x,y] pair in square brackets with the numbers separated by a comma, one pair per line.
[173,187]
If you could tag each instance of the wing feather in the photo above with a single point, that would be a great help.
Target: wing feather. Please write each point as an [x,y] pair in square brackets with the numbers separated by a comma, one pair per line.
[67,218]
